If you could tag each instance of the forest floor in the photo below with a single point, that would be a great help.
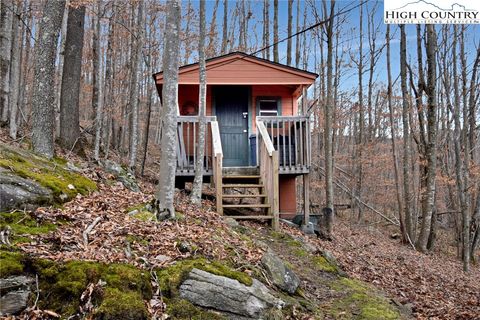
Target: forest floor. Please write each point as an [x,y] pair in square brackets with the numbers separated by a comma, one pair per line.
[433,285]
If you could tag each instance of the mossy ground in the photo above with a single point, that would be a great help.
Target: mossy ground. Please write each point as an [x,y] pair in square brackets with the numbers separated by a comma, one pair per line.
[360,301]
[124,293]
[12,262]
[51,174]
[329,294]
[22,223]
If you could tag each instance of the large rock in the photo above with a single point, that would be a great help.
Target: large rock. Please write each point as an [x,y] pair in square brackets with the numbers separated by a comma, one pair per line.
[280,274]
[227,295]
[122,175]
[14,292]
[17,192]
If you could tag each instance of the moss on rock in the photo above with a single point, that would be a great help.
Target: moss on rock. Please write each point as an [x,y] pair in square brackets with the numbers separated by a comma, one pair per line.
[322,264]
[51,174]
[170,278]
[360,302]
[184,310]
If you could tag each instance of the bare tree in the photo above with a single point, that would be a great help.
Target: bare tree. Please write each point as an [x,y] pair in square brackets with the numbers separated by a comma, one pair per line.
[329,110]
[5,56]
[44,83]
[289,32]
[393,138]
[15,70]
[297,39]
[406,134]
[198,180]
[135,87]
[225,27]
[275,30]
[166,184]
[70,90]
[97,101]
[266,23]
[430,148]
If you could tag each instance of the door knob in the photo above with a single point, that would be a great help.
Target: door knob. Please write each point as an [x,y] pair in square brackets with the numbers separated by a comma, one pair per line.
[244,130]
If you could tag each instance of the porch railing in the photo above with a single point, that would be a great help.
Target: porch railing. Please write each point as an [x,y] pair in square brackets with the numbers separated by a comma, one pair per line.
[268,163]
[187,144]
[217,165]
[290,136]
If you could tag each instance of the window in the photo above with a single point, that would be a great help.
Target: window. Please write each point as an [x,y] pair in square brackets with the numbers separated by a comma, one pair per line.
[268,106]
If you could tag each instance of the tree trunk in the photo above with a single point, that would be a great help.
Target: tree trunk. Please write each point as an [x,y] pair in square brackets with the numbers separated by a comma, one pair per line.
[6,18]
[196,195]
[225,27]
[44,79]
[289,33]
[70,91]
[329,108]
[135,87]
[275,31]
[266,22]
[97,102]
[361,122]
[428,193]
[166,182]
[394,144]
[15,69]
[406,135]
[297,38]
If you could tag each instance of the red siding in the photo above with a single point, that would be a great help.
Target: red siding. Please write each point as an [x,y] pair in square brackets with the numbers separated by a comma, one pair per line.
[288,195]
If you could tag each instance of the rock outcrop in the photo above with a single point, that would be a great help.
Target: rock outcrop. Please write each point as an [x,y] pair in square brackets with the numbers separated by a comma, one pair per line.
[17,192]
[14,293]
[122,175]
[280,274]
[229,296]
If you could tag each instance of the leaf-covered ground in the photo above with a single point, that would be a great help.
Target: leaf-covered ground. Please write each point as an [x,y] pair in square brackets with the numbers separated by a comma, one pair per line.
[433,284]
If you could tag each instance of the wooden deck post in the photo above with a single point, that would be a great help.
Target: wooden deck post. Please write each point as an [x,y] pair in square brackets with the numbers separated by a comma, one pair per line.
[218,183]
[306,199]
[275,202]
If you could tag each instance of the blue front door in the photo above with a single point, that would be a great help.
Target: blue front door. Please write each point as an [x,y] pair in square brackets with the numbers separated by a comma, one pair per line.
[231,107]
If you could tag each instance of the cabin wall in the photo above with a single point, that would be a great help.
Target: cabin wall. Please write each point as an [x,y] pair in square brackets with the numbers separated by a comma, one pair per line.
[189,93]
[285,93]
[287,195]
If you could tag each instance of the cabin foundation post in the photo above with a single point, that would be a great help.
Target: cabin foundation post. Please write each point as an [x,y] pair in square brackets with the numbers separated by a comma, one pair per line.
[306,199]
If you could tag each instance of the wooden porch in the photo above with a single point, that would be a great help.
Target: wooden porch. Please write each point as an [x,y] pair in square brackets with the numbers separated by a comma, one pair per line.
[282,147]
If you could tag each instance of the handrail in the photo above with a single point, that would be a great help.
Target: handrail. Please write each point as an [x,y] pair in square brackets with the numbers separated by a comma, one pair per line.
[265,136]
[217,143]
[195,118]
[217,165]
[269,166]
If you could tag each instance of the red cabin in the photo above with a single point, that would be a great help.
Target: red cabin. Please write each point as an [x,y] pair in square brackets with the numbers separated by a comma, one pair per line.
[258,137]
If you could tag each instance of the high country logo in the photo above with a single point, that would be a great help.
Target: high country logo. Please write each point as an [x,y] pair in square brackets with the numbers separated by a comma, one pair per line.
[426,12]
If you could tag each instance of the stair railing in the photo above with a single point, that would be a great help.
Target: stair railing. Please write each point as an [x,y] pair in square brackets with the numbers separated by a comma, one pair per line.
[217,164]
[269,165]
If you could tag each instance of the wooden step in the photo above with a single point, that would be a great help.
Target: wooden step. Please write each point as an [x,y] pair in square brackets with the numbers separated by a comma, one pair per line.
[244,196]
[250,205]
[226,171]
[242,177]
[242,185]
[250,217]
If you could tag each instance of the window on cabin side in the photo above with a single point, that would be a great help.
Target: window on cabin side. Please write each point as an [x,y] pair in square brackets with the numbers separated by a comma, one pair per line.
[268,107]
